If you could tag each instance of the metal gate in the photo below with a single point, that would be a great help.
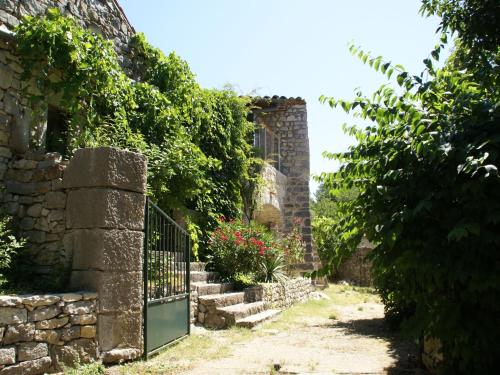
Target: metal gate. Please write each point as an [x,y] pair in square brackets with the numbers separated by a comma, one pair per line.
[166,280]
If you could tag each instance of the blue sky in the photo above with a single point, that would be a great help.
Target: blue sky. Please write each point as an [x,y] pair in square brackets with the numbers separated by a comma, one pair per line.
[291,48]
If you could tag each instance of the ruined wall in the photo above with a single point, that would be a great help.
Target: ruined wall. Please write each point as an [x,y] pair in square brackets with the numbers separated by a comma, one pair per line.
[271,198]
[31,178]
[280,295]
[287,118]
[357,268]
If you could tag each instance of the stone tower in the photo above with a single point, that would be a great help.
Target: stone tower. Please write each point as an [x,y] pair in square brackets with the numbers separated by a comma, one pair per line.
[282,136]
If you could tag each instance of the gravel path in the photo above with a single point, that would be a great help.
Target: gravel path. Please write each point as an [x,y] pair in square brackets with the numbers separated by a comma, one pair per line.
[356,342]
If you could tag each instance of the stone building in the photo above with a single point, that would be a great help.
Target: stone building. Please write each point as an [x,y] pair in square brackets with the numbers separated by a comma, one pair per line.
[282,137]
[31,166]
[30,169]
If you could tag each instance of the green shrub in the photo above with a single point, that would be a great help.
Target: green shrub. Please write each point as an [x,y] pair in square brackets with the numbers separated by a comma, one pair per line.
[9,246]
[248,253]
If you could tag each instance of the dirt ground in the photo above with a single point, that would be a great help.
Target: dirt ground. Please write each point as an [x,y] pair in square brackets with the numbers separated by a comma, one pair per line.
[343,334]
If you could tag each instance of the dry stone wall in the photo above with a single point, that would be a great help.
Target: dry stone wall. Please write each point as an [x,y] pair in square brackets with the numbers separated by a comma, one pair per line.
[357,269]
[40,333]
[281,295]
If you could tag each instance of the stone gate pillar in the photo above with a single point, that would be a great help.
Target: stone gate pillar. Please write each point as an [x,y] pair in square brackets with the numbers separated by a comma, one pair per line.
[104,233]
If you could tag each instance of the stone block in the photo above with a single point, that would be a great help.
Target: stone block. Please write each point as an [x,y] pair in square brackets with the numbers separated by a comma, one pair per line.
[106,167]
[106,250]
[48,336]
[84,319]
[32,350]
[120,329]
[78,351]
[55,199]
[52,323]
[71,297]
[88,332]
[12,315]
[43,313]
[79,308]
[10,301]
[120,355]
[19,332]
[7,355]
[70,333]
[37,366]
[105,208]
[117,291]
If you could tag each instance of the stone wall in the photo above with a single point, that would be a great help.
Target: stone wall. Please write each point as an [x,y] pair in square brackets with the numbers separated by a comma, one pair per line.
[287,118]
[357,268]
[39,333]
[281,295]
[103,16]
[32,178]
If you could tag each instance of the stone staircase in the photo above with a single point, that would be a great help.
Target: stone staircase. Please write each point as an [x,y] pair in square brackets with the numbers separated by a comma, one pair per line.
[219,306]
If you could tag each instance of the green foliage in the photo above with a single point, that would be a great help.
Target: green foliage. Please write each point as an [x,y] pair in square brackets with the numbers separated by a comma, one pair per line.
[327,228]
[196,140]
[429,195]
[92,368]
[9,246]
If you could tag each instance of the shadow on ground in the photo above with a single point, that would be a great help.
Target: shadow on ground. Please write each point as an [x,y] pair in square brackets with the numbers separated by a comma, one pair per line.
[402,350]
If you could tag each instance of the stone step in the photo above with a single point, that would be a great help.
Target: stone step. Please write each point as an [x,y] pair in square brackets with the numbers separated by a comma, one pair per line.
[204,289]
[220,300]
[253,320]
[235,312]
[197,266]
[198,276]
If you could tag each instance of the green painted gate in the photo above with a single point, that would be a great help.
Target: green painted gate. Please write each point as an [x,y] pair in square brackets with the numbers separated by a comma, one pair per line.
[166,280]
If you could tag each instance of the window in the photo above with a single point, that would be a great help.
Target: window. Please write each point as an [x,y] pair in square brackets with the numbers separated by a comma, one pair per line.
[57,131]
[269,146]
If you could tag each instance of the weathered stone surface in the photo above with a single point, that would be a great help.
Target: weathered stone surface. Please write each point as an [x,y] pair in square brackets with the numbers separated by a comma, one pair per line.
[52,323]
[43,313]
[48,336]
[37,366]
[117,291]
[32,350]
[7,355]
[120,355]
[88,332]
[19,332]
[120,329]
[55,199]
[116,250]
[84,319]
[78,351]
[10,301]
[35,210]
[106,167]
[79,307]
[71,297]
[71,333]
[105,208]
[10,315]
[41,300]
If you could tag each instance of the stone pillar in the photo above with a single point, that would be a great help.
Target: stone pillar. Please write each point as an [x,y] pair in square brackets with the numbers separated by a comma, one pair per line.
[104,232]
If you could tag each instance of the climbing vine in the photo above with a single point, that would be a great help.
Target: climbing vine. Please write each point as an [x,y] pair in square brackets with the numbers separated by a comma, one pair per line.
[197,141]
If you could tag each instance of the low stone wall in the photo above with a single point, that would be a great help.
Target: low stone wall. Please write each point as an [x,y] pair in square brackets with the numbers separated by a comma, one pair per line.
[357,269]
[39,333]
[281,295]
